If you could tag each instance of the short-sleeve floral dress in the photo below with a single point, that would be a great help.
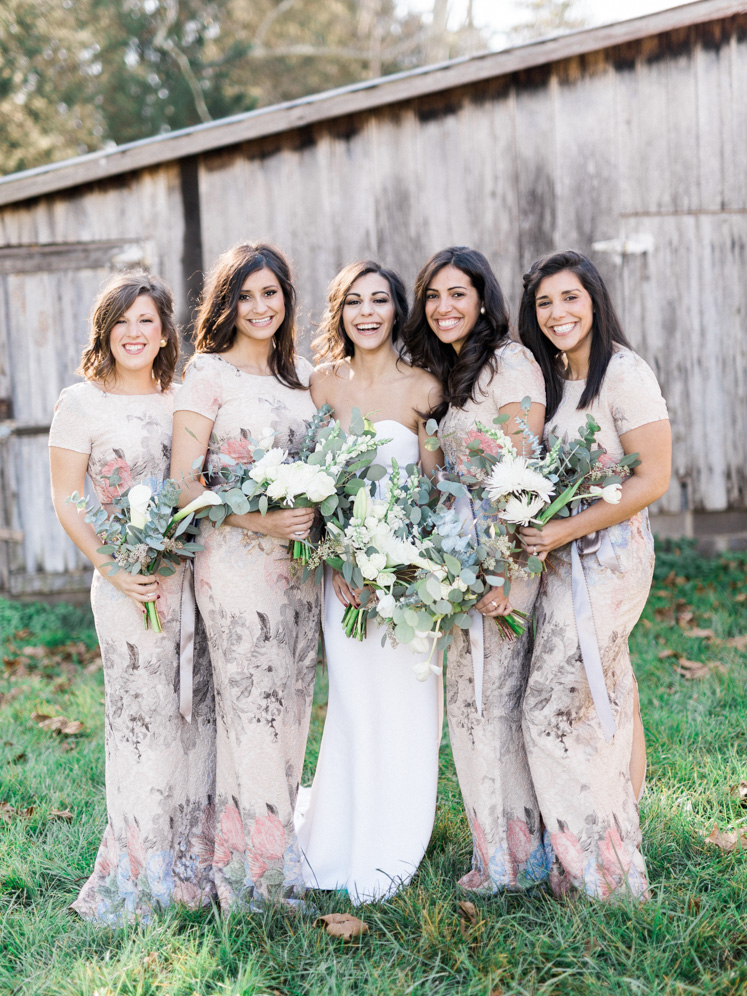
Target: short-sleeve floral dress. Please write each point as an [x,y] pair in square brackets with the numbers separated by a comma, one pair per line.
[159,767]
[487,742]
[263,629]
[582,781]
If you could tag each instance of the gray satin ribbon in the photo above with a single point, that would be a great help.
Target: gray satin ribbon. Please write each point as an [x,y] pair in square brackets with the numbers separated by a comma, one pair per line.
[600,544]
[463,508]
[187,643]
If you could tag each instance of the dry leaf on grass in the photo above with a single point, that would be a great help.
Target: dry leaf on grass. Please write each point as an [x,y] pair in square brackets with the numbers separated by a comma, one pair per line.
[8,813]
[728,842]
[739,642]
[741,597]
[667,653]
[697,670]
[739,791]
[703,634]
[61,814]
[685,619]
[467,917]
[342,925]
[57,724]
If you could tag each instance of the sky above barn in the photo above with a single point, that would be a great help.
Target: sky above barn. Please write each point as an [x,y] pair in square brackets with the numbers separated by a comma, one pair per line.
[498,17]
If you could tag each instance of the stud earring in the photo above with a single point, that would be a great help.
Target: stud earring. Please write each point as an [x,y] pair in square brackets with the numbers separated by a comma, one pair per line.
[163,342]
[482,310]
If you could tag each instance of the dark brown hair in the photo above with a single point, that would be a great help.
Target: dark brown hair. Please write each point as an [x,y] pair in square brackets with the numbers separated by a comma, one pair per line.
[333,342]
[605,329]
[458,372]
[216,319]
[117,297]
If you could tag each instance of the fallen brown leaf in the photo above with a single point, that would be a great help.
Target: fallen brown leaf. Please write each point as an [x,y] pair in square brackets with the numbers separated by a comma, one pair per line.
[691,669]
[667,653]
[37,652]
[467,911]
[57,724]
[684,619]
[8,812]
[728,842]
[61,814]
[739,791]
[741,597]
[693,905]
[703,634]
[740,642]
[342,925]
[591,946]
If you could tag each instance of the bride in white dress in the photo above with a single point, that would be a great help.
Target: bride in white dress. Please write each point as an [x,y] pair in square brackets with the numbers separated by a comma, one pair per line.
[366,821]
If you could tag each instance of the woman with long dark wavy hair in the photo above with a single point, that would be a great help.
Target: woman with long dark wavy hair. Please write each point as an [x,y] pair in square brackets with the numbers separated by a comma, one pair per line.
[371,807]
[459,331]
[115,427]
[244,386]
[580,708]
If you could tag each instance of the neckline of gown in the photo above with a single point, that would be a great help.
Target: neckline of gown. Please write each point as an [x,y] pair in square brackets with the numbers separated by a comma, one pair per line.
[393,421]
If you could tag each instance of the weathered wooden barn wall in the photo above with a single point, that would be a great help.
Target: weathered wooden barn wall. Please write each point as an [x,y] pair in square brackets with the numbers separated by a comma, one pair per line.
[641,144]
[627,142]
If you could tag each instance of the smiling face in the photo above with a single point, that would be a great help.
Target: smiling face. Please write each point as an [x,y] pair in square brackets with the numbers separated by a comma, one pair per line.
[565,313]
[452,306]
[135,337]
[261,307]
[368,311]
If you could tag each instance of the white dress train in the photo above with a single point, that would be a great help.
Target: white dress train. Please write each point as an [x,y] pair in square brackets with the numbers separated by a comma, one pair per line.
[365,823]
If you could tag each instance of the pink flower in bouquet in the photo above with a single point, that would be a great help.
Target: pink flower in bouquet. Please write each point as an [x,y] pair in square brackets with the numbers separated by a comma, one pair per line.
[108,492]
[230,836]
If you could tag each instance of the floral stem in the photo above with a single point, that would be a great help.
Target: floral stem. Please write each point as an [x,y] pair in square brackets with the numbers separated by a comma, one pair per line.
[152,618]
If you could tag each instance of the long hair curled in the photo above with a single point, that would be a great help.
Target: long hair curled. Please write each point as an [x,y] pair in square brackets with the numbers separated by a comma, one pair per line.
[458,372]
[116,297]
[605,330]
[216,318]
[332,342]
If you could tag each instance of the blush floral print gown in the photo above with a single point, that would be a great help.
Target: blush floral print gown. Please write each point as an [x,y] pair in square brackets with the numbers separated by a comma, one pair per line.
[487,741]
[263,627]
[160,773]
[582,781]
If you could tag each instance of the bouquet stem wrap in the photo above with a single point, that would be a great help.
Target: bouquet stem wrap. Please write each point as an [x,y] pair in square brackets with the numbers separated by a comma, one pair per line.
[593,543]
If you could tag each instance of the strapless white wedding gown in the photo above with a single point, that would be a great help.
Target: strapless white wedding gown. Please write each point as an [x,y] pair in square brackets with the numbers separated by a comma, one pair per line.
[365,823]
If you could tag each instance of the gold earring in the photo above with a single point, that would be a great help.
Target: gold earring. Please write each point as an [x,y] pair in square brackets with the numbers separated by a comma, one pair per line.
[163,342]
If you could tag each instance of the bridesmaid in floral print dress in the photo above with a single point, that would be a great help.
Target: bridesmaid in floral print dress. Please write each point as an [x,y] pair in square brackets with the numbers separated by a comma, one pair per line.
[246,383]
[458,330]
[116,427]
[587,775]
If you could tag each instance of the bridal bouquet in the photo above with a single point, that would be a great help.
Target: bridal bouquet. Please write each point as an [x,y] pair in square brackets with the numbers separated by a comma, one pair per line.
[535,488]
[458,571]
[330,468]
[380,544]
[147,532]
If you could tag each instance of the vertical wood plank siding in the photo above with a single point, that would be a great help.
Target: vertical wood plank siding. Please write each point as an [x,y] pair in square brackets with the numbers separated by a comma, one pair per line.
[647,138]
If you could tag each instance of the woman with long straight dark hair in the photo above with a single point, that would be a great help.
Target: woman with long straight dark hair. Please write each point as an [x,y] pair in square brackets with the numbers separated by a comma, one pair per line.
[373,800]
[246,385]
[459,331]
[115,427]
[580,708]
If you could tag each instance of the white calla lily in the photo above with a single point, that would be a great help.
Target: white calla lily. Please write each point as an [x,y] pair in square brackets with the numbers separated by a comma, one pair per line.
[206,498]
[139,497]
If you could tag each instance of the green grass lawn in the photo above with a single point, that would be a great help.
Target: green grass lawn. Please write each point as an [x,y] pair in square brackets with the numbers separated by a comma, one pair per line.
[690,938]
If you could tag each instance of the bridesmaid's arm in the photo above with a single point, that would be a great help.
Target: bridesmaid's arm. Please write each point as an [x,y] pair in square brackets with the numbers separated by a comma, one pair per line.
[649,480]
[430,397]
[68,472]
[535,418]
[189,444]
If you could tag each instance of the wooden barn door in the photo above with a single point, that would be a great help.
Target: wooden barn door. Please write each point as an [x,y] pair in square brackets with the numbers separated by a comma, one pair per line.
[45,299]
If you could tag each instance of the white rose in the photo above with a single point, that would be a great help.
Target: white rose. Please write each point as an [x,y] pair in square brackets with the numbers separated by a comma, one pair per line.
[371,566]
[321,487]
[268,467]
